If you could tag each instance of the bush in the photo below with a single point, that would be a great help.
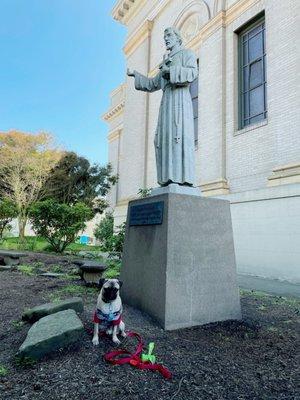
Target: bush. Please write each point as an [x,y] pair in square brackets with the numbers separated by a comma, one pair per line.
[59,223]
[8,211]
[110,240]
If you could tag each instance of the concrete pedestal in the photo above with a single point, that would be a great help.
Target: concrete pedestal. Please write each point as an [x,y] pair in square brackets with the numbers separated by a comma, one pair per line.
[181,269]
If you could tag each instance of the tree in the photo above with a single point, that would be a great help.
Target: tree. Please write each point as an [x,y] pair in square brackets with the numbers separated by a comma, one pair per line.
[25,163]
[8,211]
[59,223]
[110,240]
[74,180]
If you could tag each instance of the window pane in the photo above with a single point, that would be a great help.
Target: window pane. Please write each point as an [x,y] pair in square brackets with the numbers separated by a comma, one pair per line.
[255,47]
[256,119]
[245,78]
[245,53]
[246,105]
[256,74]
[257,100]
[255,30]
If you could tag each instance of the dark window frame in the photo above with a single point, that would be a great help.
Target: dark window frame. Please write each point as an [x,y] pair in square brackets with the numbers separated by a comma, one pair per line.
[244,34]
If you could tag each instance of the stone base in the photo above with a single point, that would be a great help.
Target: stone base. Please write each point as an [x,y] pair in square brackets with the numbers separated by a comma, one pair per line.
[182,272]
[175,188]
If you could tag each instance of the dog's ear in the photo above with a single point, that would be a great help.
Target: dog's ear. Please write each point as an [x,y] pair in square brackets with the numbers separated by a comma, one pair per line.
[101,282]
[120,283]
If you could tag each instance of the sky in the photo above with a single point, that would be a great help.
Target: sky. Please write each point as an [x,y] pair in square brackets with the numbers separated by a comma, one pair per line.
[59,60]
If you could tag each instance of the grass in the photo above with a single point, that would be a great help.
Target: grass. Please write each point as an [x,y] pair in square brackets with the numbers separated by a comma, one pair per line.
[279,300]
[36,243]
[74,290]
[18,324]
[27,269]
[3,370]
[113,270]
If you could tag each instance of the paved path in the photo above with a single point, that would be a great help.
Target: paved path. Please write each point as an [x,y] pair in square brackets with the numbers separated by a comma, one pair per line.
[271,286]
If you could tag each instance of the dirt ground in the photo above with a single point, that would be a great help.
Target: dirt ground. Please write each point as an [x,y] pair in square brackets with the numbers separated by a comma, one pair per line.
[254,359]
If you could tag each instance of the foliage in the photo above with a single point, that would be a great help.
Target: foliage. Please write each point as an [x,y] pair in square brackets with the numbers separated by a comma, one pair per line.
[144,192]
[110,240]
[3,370]
[104,231]
[59,223]
[74,180]
[27,269]
[8,211]
[25,361]
[113,270]
[74,290]
[18,324]
[36,243]
[25,163]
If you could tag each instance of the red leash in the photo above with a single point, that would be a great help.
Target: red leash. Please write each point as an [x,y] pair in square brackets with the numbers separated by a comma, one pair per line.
[134,359]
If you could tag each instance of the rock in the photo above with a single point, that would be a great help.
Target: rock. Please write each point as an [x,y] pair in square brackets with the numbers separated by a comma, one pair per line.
[35,313]
[91,271]
[11,257]
[51,333]
[93,266]
[6,268]
[52,274]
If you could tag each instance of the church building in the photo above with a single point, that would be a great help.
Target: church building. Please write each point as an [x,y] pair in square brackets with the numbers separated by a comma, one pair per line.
[246,104]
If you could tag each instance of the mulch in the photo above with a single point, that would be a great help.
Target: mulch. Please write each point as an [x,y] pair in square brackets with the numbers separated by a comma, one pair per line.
[253,359]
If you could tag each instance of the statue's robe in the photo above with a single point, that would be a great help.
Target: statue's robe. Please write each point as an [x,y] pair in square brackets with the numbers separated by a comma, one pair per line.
[174,137]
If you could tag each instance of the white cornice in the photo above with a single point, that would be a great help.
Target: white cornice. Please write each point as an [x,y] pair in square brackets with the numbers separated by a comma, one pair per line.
[125,10]
[114,112]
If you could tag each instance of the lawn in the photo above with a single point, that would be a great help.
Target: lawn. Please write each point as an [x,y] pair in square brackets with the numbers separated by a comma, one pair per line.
[35,243]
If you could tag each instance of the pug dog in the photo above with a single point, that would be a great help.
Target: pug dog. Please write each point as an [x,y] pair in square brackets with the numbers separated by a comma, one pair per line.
[108,313]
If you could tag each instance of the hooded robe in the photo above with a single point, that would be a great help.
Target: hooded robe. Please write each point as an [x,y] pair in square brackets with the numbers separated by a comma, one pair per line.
[174,137]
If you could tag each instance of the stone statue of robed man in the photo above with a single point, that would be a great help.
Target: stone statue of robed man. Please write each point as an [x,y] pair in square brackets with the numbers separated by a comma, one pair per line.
[174,137]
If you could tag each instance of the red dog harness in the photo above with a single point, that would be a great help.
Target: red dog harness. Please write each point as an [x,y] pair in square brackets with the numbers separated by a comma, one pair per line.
[107,319]
[134,359]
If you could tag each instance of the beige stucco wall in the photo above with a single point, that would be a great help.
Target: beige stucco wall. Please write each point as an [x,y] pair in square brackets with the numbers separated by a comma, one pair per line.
[228,162]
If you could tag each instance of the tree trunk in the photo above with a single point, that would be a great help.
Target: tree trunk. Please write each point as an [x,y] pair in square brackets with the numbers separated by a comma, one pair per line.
[22,226]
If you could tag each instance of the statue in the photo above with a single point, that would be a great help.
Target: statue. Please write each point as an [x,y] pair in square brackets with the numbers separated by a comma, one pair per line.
[174,137]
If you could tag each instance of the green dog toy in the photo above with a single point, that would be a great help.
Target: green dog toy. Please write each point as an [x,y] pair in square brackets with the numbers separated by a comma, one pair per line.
[149,356]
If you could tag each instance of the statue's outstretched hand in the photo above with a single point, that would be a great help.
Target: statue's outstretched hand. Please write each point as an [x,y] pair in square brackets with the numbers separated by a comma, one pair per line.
[130,72]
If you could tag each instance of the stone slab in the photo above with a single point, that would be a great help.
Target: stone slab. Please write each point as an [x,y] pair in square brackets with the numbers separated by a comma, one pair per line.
[38,312]
[11,253]
[183,272]
[6,268]
[51,333]
[52,274]
[175,188]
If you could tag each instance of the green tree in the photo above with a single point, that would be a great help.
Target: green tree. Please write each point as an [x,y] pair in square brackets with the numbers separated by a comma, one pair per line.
[8,211]
[74,180]
[25,163]
[59,223]
[110,239]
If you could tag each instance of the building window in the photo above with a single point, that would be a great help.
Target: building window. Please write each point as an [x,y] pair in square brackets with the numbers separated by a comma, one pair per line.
[252,70]
[194,93]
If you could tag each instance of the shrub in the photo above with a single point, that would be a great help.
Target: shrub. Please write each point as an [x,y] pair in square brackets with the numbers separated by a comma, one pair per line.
[110,240]
[59,223]
[8,211]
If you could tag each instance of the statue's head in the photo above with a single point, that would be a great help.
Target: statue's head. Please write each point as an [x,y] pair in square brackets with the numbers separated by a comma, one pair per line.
[172,37]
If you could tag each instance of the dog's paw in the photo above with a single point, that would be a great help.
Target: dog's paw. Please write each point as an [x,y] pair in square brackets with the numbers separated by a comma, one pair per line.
[95,341]
[123,334]
[116,340]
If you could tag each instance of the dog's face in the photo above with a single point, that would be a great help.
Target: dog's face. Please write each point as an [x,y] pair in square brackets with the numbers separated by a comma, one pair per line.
[109,289]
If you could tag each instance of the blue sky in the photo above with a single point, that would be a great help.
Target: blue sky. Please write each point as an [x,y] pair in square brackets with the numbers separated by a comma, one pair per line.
[59,61]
